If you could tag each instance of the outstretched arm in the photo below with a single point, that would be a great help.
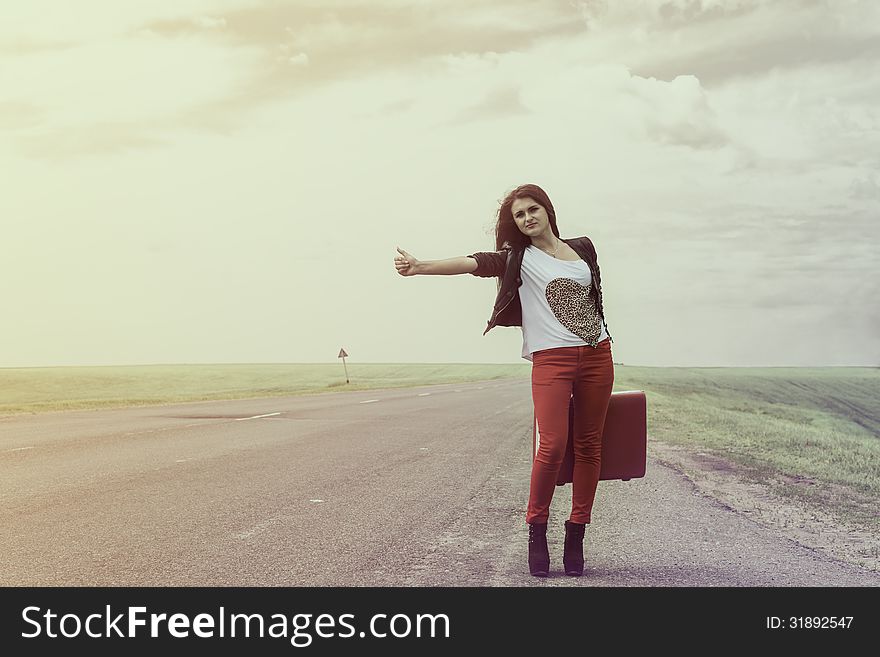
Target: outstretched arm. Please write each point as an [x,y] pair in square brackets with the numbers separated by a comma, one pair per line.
[408,265]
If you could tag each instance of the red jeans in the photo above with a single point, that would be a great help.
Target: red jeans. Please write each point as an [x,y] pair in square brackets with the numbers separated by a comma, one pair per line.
[557,374]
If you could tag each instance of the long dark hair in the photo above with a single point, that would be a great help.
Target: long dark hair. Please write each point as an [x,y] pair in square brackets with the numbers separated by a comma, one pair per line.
[506,231]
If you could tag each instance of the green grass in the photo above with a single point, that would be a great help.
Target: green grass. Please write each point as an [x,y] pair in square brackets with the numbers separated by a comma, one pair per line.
[812,433]
[816,430]
[31,390]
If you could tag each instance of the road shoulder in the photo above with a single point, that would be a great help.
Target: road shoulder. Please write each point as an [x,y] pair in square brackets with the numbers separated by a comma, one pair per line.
[809,525]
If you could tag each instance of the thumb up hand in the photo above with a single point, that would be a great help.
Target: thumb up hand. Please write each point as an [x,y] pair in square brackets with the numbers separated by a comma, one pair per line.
[406,263]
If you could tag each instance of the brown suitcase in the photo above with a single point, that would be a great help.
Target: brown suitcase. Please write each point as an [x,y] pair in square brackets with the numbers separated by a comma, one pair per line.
[624,439]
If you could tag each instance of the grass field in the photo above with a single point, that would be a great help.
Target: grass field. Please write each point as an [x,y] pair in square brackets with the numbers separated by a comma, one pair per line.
[816,430]
[29,390]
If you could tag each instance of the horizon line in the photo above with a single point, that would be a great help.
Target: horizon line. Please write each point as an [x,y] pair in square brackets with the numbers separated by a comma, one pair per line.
[619,364]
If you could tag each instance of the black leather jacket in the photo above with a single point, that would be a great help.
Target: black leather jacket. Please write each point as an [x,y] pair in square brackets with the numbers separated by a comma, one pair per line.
[506,264]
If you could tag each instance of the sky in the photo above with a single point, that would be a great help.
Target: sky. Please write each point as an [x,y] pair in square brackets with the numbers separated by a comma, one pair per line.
[226,181]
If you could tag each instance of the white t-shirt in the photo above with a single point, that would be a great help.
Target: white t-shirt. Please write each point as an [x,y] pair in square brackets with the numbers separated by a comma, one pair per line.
[557,309]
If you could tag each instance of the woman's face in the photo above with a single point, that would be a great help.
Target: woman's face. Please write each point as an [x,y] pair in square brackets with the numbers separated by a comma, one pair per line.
[530,216]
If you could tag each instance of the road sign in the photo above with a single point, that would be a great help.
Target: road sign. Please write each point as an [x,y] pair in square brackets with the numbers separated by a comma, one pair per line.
[342,355]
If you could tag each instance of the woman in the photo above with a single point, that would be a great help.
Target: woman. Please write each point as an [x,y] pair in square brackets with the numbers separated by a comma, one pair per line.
[551,288]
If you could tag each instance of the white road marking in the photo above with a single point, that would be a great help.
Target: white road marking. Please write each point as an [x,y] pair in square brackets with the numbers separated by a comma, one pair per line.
[258,529]
[369,401]
[316,501]
[182,460]
[19,449]
[239,419]
[424,394]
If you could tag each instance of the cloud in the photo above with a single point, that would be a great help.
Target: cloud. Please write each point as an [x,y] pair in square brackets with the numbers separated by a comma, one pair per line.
[721,62]
[127,88]
[598,97]
[498,104]
[721,41]
[88,21]
[98,139]
[28,46]
[209,22]
[18,115]
[290,49]
[867,188]
[344,41]
[677,112]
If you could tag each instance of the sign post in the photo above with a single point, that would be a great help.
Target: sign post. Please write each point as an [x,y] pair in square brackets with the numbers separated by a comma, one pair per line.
[342,355]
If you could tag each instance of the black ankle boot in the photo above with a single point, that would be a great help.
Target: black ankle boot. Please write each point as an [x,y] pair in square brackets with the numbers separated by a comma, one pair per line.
[539,554]
[573,557]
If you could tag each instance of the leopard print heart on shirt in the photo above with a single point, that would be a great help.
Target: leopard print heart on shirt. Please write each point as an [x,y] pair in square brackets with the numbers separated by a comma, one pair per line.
[575,309]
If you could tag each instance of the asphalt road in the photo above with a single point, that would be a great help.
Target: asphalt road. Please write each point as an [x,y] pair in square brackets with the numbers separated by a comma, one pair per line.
[402,487]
